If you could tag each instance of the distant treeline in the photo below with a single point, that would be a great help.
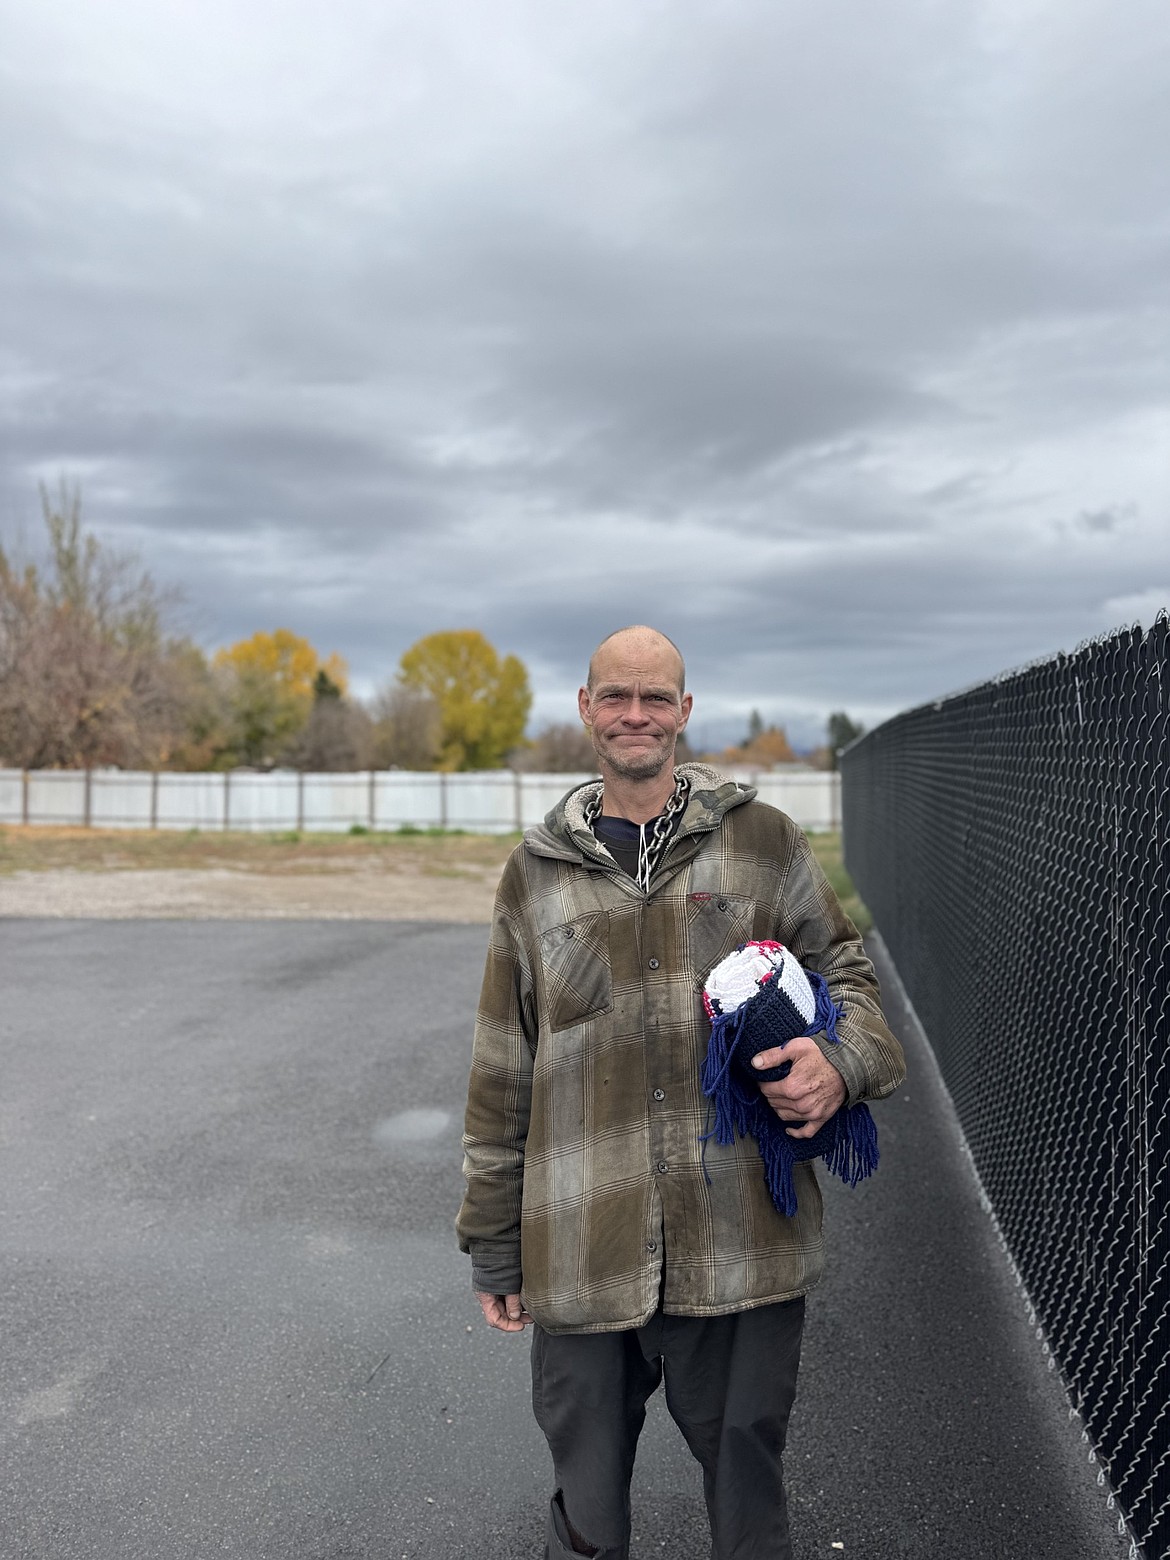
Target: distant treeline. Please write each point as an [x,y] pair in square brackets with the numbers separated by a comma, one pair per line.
[92,674]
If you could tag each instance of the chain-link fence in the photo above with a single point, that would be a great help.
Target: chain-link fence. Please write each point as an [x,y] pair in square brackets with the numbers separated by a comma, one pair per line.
[1013,844]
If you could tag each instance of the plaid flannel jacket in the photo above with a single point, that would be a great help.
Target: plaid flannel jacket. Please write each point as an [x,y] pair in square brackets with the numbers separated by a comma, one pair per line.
[583,1155]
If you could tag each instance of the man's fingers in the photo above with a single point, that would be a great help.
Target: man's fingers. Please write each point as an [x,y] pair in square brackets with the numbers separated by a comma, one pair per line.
[800,1049]
[494,1313]
[789,1099]
[772,1058]
[514,1307]
[505,1313]
[490,1306]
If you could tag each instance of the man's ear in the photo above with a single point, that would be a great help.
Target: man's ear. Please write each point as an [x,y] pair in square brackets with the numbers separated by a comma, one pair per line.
[687,705]
[583,706]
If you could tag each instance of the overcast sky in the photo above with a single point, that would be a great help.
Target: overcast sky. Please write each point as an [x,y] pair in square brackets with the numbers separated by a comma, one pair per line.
[833,338]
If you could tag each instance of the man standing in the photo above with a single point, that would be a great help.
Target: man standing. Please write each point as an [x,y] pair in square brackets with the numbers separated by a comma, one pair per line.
[593,1208]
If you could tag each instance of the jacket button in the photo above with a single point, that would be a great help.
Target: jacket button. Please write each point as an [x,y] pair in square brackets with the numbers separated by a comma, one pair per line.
[651,1245]
[659,1094]
[723,904]
[568,931]
[653,964]
[663,1167]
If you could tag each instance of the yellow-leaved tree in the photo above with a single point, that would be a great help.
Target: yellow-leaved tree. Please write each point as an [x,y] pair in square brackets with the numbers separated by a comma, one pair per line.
[269,684]
[483,700]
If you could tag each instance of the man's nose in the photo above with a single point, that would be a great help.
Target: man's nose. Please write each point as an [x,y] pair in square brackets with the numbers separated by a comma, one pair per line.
[635,712]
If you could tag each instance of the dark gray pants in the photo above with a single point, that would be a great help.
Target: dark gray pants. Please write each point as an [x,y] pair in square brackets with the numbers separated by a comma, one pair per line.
[730,1382]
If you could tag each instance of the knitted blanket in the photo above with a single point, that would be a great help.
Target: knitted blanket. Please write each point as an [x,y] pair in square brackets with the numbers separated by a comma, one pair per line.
[759,998]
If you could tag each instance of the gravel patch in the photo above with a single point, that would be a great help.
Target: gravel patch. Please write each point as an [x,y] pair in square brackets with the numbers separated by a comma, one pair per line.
[226,894]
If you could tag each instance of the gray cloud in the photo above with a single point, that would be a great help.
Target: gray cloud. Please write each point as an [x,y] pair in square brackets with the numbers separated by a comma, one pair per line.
[833,341]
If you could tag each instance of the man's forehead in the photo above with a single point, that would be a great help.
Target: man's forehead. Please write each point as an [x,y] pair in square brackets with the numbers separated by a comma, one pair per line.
[622,681]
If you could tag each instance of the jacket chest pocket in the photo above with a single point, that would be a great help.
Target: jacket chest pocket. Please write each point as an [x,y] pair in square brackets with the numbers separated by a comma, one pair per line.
[716,925]
[577,978]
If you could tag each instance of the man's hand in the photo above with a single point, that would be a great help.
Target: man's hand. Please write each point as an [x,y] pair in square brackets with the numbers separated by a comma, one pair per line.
[812,1091]
[504,1312]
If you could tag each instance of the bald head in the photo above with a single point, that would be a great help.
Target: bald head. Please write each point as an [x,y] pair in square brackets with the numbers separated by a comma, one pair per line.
[635,643]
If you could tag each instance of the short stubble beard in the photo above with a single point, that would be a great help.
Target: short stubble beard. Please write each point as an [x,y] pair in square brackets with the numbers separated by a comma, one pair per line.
[645,766]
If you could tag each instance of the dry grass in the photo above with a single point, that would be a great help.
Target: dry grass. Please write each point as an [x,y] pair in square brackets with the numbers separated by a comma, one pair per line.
[827,849]
[288,853]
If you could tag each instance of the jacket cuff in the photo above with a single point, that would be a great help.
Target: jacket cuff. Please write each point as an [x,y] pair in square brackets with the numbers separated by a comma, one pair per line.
[495,1267]
[847,1063]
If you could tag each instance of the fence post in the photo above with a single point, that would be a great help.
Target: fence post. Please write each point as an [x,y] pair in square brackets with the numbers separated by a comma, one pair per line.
[227,798]
[154,798]
[518,784]
[442,798]
[87,806]
[300,801]
[373,799]
[24,797]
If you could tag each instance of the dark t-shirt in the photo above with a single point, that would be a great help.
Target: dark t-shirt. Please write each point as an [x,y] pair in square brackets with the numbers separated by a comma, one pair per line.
[623,838]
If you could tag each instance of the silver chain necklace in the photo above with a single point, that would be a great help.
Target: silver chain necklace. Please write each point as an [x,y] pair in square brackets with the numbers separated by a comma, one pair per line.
[653,837]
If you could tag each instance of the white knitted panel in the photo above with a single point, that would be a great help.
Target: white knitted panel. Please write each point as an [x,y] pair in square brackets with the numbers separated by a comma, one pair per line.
[794,984]
[736,979]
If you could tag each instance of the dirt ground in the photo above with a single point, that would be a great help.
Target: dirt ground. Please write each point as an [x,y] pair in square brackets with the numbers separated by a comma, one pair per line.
[124,874]
[108,874]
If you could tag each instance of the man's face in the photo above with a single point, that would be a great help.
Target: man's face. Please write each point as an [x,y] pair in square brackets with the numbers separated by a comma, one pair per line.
[634,711]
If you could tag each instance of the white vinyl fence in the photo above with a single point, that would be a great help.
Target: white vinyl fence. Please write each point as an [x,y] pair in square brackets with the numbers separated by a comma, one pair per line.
[493,801]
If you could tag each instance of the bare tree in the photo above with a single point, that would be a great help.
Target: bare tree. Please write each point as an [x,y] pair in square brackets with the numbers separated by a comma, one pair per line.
[407,729]
[88,675]
[563,748]
[338,735]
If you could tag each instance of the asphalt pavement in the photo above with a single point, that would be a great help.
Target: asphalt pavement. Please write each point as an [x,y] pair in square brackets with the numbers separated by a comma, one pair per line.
[234,1323]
